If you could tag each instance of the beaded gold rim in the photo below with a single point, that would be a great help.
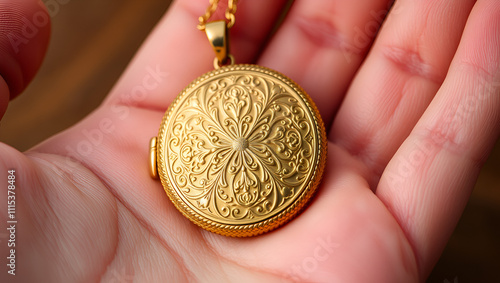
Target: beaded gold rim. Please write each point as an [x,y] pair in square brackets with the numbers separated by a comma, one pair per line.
[262,225]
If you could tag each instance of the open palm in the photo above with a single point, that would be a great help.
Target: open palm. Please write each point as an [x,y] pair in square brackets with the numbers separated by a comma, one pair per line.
[411,115]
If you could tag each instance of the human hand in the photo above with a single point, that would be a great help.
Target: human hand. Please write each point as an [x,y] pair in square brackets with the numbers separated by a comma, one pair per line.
[398,175]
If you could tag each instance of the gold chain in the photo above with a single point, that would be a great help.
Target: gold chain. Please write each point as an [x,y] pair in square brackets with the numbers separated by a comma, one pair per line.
[231,10]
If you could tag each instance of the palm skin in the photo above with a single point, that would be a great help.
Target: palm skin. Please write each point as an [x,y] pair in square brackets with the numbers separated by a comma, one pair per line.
[400,163]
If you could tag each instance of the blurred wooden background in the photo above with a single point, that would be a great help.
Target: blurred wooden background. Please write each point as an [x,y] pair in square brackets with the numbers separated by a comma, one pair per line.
[92,43]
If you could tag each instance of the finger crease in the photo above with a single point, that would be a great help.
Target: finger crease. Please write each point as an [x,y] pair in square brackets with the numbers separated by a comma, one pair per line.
[412,63]
[323,33]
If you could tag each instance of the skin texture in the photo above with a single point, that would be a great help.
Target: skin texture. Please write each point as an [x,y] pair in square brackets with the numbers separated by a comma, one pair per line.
[411,115]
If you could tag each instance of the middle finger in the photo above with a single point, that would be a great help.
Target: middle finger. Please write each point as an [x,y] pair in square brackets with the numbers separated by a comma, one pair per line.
[321,45]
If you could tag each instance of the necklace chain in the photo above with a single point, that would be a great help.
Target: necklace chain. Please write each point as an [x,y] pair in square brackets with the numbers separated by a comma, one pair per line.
[231,10]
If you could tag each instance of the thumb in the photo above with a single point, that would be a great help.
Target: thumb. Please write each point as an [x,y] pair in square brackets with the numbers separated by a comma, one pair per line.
[24,37]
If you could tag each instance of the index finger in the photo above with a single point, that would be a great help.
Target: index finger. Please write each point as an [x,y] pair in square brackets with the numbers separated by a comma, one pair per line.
[177,52]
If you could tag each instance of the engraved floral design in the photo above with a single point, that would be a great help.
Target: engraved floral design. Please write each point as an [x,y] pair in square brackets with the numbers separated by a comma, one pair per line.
[240,147]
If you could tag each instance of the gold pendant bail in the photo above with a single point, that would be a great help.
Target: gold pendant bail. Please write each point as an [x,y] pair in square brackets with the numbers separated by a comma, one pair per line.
[217,33]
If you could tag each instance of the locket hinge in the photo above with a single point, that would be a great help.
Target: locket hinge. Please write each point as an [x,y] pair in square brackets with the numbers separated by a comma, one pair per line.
[153,164]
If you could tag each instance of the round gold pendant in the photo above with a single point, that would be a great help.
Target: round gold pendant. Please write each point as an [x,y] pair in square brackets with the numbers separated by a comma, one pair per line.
[241,150]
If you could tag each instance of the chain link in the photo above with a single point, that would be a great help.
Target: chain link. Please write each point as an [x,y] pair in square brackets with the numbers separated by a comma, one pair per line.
[231,10]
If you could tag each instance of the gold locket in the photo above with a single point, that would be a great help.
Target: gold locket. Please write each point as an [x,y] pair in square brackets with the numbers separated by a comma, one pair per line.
[242,149]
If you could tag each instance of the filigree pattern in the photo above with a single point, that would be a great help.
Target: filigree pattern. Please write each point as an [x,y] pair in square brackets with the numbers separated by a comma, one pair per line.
[241,147]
